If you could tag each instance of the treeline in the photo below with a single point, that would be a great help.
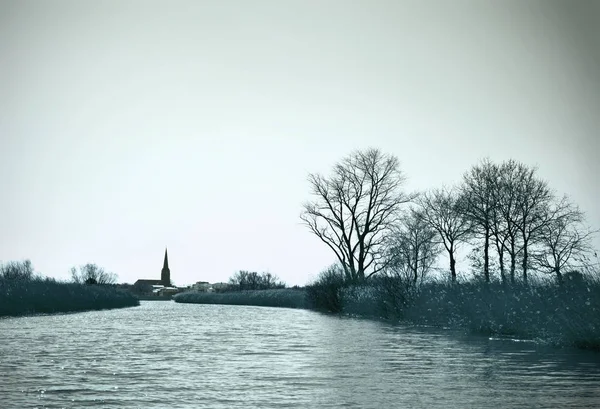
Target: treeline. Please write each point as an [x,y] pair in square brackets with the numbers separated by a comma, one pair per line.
[251,280]
[508,210]
[563,315]
[511,219]
[23,291]
[510,222]
[249,288]
[277,297]
[92,274]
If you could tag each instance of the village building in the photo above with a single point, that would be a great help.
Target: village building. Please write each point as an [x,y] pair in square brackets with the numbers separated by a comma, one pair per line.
[205,286]
[163,287]
[157,286]
[201,286]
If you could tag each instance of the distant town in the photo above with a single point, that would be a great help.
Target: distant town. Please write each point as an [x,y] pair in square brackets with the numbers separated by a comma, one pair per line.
[162,288]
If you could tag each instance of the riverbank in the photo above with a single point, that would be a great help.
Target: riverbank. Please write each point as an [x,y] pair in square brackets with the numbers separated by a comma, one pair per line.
[566,315]
[46,296]
[284,297]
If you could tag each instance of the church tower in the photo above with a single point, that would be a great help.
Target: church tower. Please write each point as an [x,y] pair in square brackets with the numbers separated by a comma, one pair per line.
[165,274]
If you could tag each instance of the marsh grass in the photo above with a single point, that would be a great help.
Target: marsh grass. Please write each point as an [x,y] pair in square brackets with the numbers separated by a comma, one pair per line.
[563,315]
[45,295]
[285,297]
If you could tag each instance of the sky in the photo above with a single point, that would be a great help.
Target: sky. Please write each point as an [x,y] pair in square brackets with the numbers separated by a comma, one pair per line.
[131,126]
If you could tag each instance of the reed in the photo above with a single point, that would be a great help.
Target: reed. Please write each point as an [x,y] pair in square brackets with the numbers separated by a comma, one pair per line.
[285,297]
[563,315]
[46,296]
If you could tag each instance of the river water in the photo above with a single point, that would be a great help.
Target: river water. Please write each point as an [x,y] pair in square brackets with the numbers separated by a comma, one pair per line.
[168,355]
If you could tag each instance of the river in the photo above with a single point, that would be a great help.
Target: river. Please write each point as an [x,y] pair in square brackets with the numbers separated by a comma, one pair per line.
[168,355]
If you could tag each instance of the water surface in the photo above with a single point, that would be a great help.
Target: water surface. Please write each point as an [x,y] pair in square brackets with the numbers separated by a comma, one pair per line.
[168,355]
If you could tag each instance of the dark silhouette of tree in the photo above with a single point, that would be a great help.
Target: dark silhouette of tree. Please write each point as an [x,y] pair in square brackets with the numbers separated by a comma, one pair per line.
[506,215]
[564,241]
[251,280]
[355,209]
[413,248]
[141,288]
[477,202]
[533,210]
[17,270]
[325,293]
[440,209]
[92,274]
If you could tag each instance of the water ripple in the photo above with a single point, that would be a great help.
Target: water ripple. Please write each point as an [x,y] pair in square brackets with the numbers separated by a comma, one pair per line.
[164,354]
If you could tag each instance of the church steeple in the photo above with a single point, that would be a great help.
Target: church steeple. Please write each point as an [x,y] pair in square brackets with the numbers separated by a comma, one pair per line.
[165,274]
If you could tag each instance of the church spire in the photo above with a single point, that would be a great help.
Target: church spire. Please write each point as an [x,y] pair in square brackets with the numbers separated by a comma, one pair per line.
[166,262]
[165,274]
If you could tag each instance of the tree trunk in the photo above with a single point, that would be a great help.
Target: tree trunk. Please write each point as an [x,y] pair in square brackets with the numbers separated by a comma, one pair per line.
[347,272]
[501,260]
[525,256]
[361,260]
[559,276]
[486,257]
[452,266]
[353,273]
[416,267]
[500,251]
[513,263]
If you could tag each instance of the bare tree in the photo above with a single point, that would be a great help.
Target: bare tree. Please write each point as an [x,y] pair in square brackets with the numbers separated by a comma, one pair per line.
[505,214]
[17,270]
[477,203]
[533,210]
[439,208]
[355,208]
[251,280]
[413,248]
[271,281]
[564,240]
[92,274]
[500,238]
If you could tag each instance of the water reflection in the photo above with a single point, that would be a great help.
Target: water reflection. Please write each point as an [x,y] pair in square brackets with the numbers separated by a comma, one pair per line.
[164,354]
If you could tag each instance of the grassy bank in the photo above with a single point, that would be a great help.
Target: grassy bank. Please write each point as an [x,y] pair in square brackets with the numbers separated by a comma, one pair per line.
[566,315]
[36,295]
[285,297]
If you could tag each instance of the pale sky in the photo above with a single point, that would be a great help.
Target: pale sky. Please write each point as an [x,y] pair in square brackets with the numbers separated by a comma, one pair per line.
[128,126]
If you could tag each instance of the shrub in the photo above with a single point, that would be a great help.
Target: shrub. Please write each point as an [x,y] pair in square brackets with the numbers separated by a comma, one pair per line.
[17,270]
[251,280]
[561,315]
[325,293]
[21,293]
[394,294]
[287,298]
[92,274]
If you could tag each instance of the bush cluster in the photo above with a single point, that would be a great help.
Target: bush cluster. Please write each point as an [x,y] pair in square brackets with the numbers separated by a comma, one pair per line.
[326,292]
[286,297]
[251,280]
[559,314]
[22,293]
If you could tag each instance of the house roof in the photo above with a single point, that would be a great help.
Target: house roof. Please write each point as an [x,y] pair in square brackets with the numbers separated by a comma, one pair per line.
[148,282]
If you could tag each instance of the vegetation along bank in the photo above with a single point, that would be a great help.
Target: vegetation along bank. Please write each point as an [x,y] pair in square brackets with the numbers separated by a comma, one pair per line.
[22,292]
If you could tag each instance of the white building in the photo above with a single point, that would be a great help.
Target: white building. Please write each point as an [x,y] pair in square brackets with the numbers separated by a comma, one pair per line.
[205,286]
